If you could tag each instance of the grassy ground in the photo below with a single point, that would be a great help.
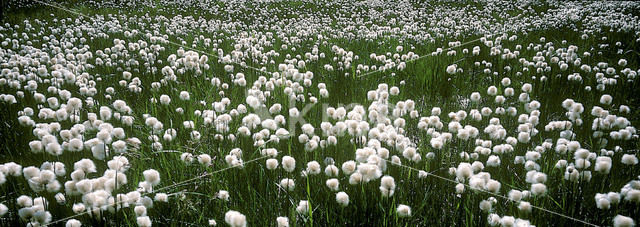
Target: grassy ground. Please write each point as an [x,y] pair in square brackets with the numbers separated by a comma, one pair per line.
[254,190]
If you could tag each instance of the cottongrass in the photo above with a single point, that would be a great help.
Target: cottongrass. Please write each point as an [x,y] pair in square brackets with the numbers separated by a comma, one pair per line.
[380,132]
[623,221]
[235,219]
[403,211]
[143,221]
[303,207]
[73,223]
[342,198]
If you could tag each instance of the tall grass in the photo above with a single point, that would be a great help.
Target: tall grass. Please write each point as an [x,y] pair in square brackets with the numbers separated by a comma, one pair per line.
[254,190]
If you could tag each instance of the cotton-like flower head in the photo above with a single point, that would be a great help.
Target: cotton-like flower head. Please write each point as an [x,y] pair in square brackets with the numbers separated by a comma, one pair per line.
[524,206]
[493,161]
[186,157]
[451,69]
[534,176]
[288,163]
[233,160]
[140,211]
[606,99]
[613,197]
[303,207]
[161,197]
[632,194]
[622,62]
[86,165]
[463,172]
[492,91]
[623,221]
[355,178]
[369,171]
[42,217]
[331,171]
[184,96]
[387,186]
[403,211]
[308,129]
[538,189]
[348,167]
[602,201]
[165,100]
[204,159]
[475,97]
[629,159]
[272,163]
[3,209]
[73,223]
[24,201]
[78,208]
[493,219]
[287,184]
[223,195]
[342,199]
[333,184]
[144,221]
[493,186]
[151,176]
[603,164]
[485,205]
[282,221]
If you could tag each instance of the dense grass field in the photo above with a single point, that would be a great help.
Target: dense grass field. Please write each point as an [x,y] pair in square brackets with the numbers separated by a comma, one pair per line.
[319,113]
